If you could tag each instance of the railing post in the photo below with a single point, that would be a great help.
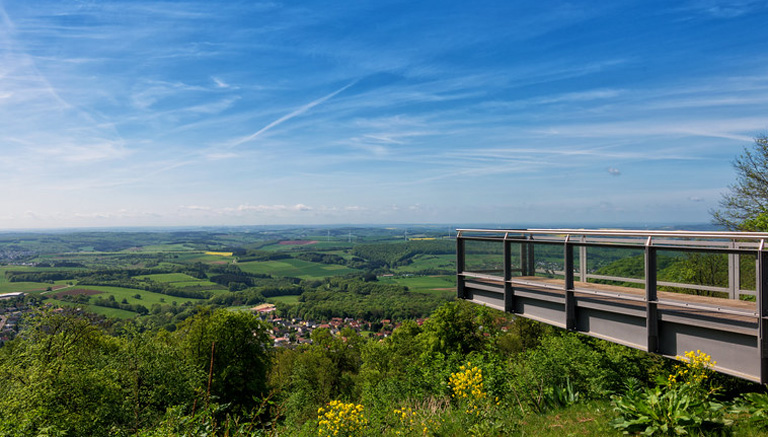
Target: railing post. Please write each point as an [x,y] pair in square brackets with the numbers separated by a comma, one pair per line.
[762,309]
[734,273]
[651,301]
[570,299]
[460,292]
[583,260]
[524,259]
[530,261]
[509,292]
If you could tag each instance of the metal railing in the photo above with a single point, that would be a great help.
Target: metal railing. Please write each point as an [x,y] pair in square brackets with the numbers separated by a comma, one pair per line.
[731,244]
[732,253]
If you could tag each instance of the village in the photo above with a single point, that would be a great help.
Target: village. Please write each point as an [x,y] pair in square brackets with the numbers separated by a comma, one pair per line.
[284,332]
[295,332]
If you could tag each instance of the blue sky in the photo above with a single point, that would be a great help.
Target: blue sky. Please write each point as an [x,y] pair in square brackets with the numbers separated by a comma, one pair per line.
[138,113]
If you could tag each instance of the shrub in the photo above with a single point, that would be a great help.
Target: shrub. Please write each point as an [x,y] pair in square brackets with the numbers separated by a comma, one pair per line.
[680,405]
[341,419]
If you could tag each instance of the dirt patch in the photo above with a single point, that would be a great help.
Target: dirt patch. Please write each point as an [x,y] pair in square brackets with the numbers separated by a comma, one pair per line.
[297,242]
[77,292]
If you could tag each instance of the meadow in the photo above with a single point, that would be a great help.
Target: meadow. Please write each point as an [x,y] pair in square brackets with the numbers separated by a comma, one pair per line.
[295,268]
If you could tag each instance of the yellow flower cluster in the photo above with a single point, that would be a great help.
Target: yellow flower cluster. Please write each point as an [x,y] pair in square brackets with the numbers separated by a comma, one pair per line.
[411,424]
[467,383]
[696,369]
[341,419]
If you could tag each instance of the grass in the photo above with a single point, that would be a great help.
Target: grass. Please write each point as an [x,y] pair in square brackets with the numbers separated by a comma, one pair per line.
[148,298]
[194,257]
[423,261]
[321,245]
[283,299]
[423,284]
[172,247]
[104,311]
[587,419]
[27,287]
[168,277]
[296,268]
[198,282]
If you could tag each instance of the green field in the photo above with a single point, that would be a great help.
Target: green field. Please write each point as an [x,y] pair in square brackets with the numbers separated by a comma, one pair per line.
[295,268]
[201,257]
[178,280]
[424,284]
[147,297]
[168,277]
[104,311]
[164,248]
[283,299]
[422,262]
[27,287]
[321,245]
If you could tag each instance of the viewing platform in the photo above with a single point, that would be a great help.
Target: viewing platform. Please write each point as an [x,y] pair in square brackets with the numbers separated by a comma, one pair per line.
[665,292]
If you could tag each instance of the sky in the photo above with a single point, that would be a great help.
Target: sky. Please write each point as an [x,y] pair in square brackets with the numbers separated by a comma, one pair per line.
[208,113]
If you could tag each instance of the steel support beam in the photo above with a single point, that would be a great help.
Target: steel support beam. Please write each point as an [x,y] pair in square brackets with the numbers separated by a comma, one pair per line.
[460,252]
[530,259]
[762,309]
[651,300]
[509,292]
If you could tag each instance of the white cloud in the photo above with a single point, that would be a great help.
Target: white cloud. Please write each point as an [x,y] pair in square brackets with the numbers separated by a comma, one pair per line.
[273,208]
[219,83]
[614,171]
[289,116]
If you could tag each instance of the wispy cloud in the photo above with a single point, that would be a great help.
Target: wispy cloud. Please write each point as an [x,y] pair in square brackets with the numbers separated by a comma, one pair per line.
[724,9]
[289,116]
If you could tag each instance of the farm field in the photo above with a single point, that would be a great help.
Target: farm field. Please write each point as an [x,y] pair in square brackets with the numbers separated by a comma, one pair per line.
[164,248]
[103,311]
[194,257]
[423,262]
[283,299]
[179,280]
[148,298]
[26,287]
[423,284]
[295,268]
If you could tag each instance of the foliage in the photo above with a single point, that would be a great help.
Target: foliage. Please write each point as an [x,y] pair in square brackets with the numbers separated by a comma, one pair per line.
[66,374]
[467,383]
[341,419]
[755,407]
[412,423]
[455,327]
[744,208]
[356,298]
[231,347]
[681,405]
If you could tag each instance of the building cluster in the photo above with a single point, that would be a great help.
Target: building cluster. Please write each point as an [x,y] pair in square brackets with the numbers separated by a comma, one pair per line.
[9,320]
[294,332]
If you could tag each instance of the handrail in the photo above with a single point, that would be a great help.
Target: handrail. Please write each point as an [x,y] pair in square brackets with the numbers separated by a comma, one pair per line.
[734,244]
[637,317]
[628,233]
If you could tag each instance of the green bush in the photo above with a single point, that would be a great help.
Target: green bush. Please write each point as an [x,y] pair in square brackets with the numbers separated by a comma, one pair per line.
[680,405]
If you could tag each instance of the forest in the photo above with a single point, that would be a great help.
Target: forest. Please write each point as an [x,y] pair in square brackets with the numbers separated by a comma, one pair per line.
[466,370]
